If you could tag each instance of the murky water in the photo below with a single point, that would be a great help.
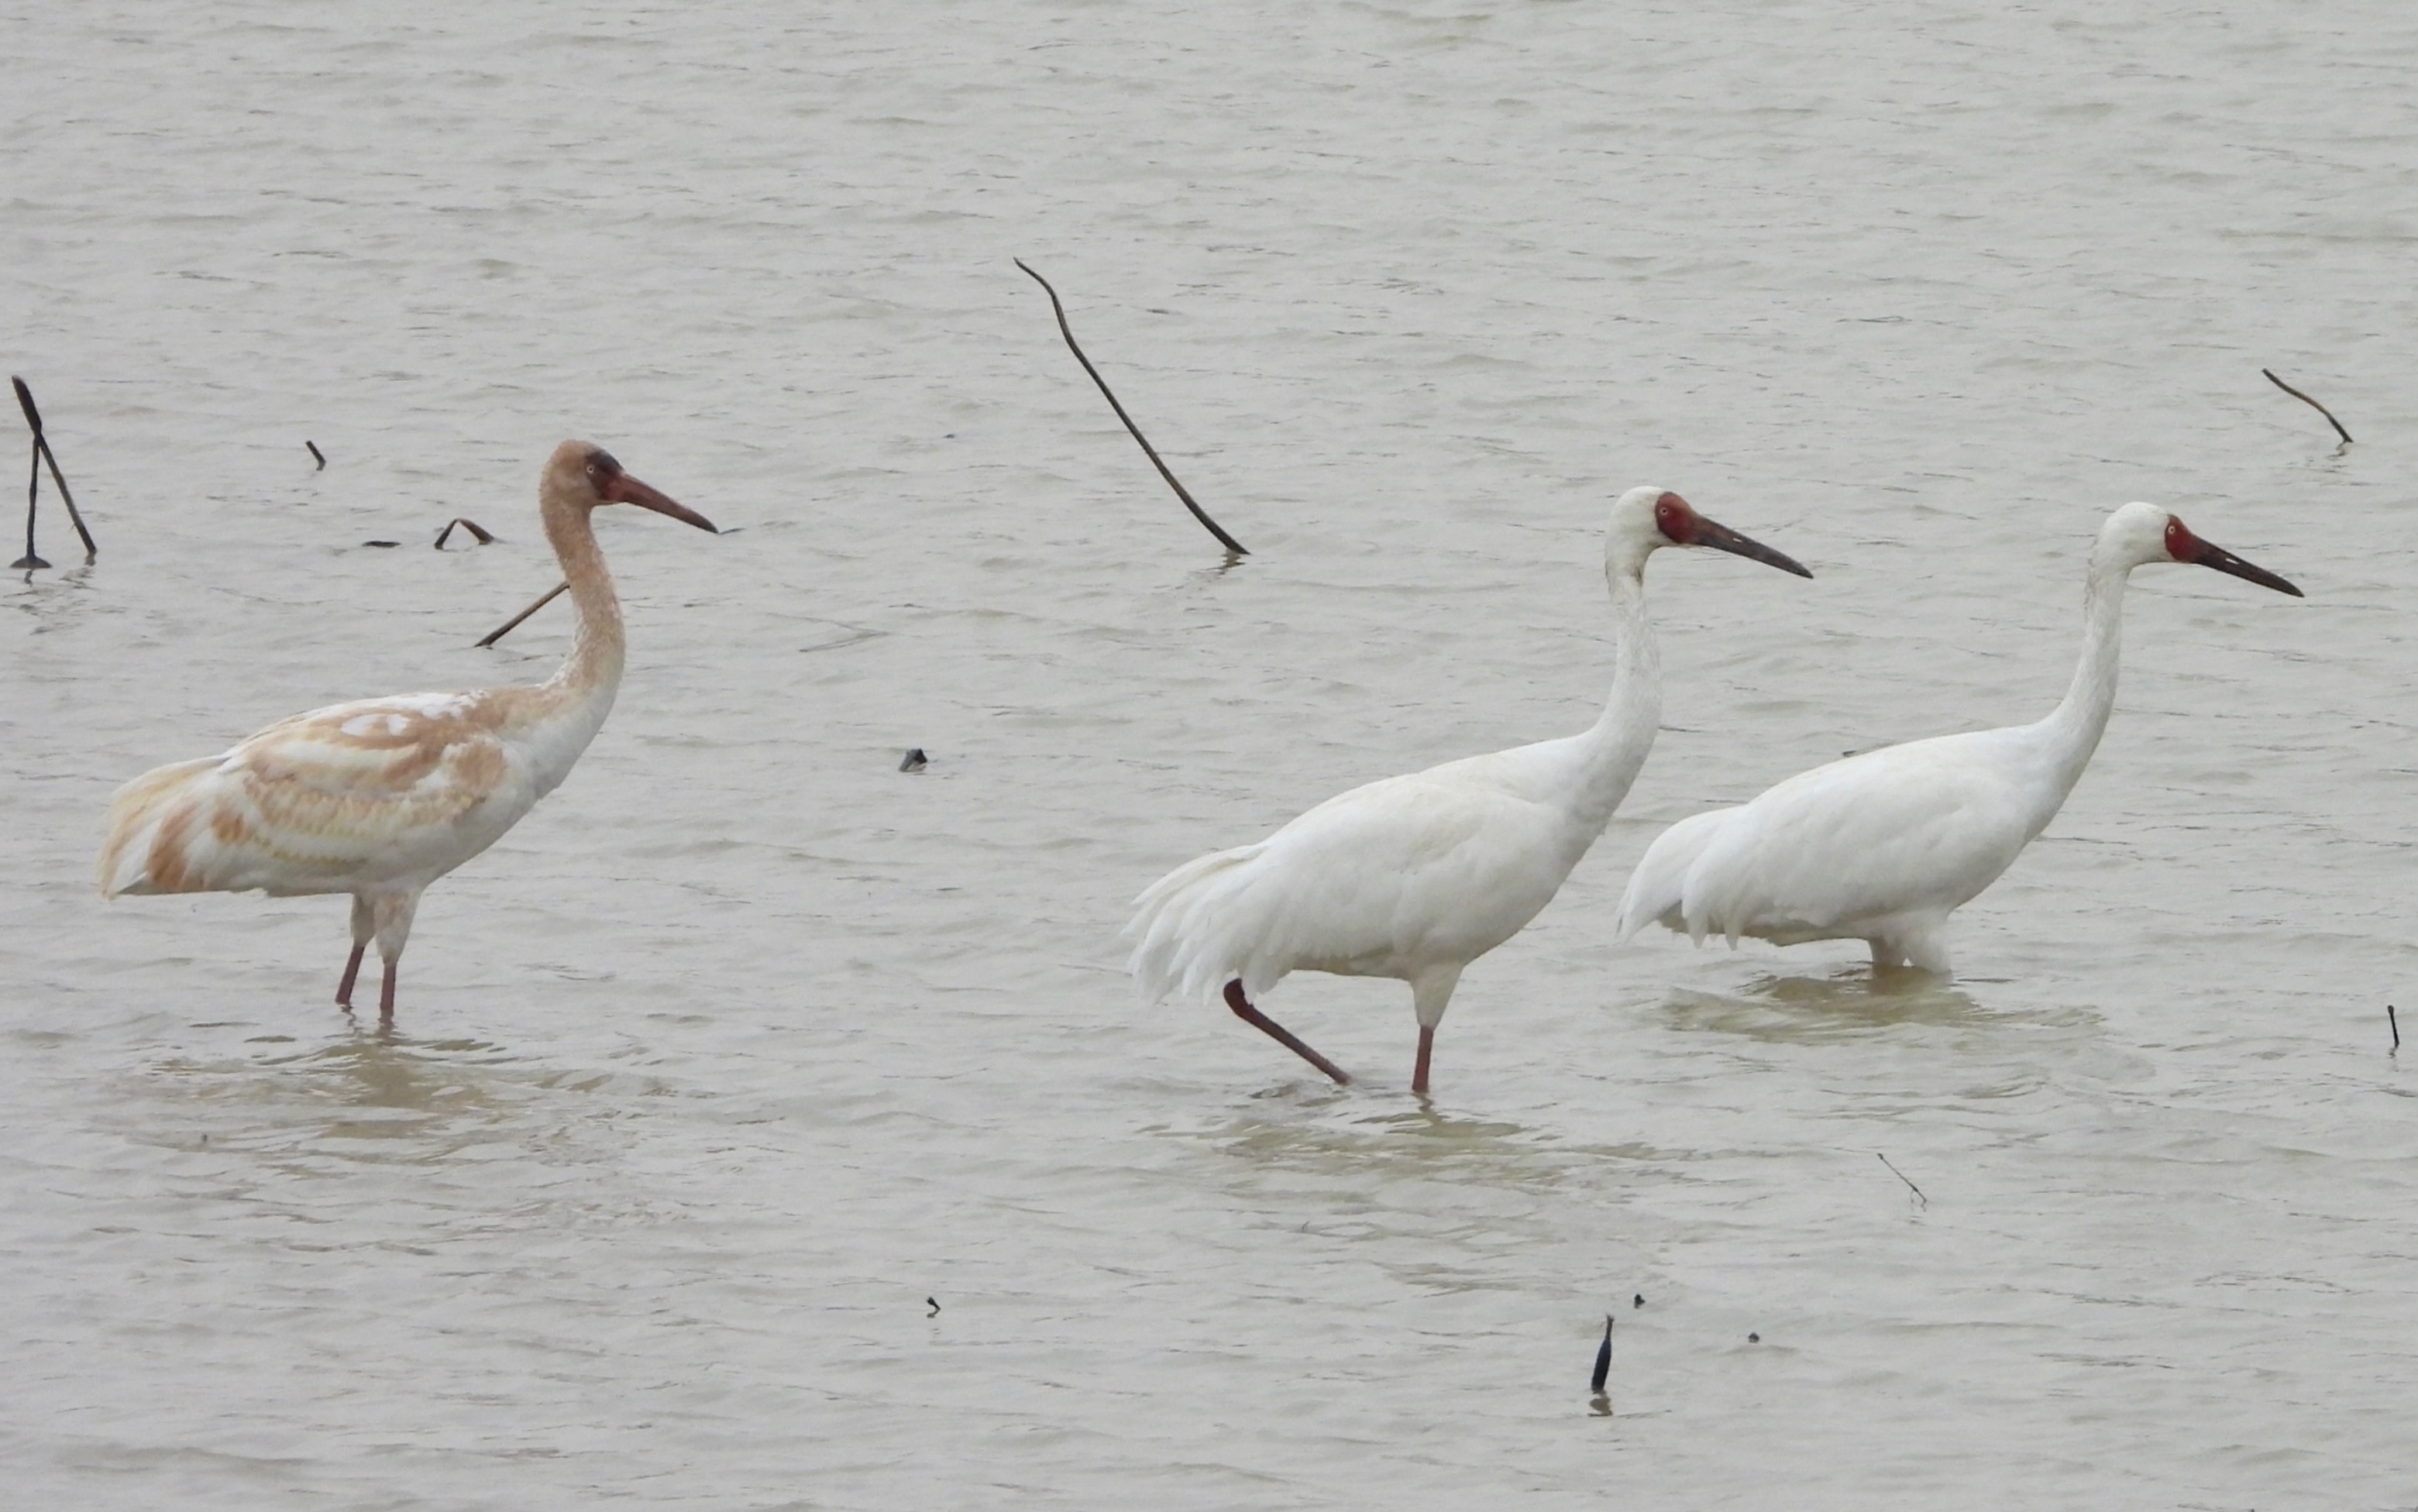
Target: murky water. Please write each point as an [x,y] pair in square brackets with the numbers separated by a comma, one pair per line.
[746,1044]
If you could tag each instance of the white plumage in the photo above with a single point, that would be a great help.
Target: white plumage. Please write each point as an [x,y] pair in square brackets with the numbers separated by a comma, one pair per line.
[380,797]
[1415,877]
[1883,847]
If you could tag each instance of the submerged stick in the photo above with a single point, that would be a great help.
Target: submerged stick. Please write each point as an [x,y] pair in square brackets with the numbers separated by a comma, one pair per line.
[1602,1359]
[43,446]
[1063,329]
[481,536]
[43,453]
[1901,1176]
[514,622]
[32,491]
[2311,403]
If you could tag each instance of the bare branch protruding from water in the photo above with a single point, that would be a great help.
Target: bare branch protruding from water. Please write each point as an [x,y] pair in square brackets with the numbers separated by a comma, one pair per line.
[1063,329]
[514,622]
[2311,403]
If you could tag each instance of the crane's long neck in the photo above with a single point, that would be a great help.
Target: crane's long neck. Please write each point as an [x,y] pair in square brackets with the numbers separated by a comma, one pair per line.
[582,690]
[2071,732]
[1611,752]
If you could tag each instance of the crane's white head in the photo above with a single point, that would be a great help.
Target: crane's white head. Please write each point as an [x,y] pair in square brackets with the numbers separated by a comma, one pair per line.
[585,475]
[2139,534]
[1646,519]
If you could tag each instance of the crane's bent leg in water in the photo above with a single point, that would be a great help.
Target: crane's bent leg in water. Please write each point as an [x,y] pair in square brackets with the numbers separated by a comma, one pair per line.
[1248,1015]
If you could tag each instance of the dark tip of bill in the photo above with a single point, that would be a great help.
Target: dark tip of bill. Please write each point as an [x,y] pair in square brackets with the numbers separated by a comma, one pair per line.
[916,760]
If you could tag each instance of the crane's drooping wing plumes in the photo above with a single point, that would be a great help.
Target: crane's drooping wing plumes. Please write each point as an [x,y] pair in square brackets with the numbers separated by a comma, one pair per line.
[1915,829]
[1438,863]
[332,801]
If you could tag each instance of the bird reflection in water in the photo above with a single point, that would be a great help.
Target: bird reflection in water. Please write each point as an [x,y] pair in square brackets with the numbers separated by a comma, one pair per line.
[1853,1002]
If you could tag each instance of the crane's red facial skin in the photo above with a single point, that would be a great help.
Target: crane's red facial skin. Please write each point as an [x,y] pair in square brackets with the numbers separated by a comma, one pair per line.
[1674,519]
[2181,544]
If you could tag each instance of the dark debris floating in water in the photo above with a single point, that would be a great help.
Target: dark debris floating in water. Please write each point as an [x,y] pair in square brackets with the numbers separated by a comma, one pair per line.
[478,533]
[915,761]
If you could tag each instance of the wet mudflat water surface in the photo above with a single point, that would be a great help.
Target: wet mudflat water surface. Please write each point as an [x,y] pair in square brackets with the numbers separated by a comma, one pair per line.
[744,1043]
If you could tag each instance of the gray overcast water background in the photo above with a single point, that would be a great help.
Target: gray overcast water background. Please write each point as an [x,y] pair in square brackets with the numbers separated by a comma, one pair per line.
[744,1043]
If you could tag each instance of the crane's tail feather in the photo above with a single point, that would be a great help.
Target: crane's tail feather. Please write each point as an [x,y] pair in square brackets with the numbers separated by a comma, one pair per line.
[1658,890]
[137,810]
[1200,926]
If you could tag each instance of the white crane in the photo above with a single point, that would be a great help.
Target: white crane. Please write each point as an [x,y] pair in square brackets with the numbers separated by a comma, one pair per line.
[380,797]
[1883,847]
[1415,877]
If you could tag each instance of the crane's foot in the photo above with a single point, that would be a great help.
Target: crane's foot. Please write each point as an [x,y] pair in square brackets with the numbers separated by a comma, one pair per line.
[1426,1049]
[1248,1015]
[352,974]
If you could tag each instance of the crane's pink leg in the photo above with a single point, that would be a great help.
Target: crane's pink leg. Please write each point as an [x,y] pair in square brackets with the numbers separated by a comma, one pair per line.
[386,995]
[1427,1048]
[352,970]
[1248,1015]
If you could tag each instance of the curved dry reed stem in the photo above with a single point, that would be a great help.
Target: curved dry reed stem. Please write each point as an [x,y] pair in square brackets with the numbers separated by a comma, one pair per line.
[2311,403]
[1063,329]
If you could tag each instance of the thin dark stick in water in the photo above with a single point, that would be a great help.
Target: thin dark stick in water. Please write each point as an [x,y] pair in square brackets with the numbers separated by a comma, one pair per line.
[42,449]
[1063,329]
[514,622]
[317,456]
[32,491]
[2311,403]
[482,537]
[1901,1176]
[1602,1359]
[2395,1025]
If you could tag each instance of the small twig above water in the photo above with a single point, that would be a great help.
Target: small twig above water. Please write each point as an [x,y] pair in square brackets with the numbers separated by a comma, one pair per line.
[317,456]
[1602,1359]
[514,622]
[42,454]
[934,1304]
[1901,1176]
[2311,403]
[483,537]
[2395,1024]
[1068,331]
